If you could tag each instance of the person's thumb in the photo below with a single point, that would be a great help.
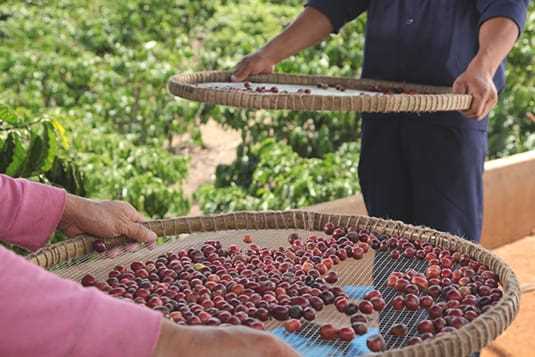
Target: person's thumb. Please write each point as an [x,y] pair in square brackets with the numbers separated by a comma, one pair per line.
[460,87]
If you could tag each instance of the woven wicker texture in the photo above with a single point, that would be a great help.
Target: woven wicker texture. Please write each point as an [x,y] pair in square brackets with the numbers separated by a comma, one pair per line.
[427,99]
[74,258]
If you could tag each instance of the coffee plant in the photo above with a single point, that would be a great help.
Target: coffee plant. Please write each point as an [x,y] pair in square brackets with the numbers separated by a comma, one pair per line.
[282,180]
[31,147]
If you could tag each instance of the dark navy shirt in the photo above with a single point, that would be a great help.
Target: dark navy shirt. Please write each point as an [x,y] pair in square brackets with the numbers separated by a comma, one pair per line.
[423,41]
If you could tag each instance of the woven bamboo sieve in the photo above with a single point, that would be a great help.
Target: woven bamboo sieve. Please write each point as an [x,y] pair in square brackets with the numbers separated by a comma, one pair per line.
[427,99]
[470,338]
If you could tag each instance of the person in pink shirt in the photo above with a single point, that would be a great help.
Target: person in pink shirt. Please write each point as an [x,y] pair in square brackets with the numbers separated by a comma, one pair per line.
[44,315]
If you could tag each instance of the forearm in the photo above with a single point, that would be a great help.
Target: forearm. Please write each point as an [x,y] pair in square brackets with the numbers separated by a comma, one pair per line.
[310,28]
[497,37]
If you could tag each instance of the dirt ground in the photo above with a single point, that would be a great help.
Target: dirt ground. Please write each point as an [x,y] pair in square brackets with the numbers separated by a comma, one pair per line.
[219,148]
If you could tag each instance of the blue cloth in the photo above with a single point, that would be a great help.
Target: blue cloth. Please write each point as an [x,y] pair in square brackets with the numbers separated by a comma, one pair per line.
[307,344]
[357,292]
[423,41]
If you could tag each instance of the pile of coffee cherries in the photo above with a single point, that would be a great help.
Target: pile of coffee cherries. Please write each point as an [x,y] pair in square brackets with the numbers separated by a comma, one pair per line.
[248,87]
[216,285]
[454,289]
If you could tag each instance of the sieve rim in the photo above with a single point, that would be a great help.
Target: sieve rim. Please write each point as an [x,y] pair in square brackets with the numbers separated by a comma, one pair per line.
[472,337]
[425,98]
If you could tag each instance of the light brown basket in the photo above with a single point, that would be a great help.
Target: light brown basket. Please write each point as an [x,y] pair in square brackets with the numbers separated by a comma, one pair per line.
[427,99]
[470,338]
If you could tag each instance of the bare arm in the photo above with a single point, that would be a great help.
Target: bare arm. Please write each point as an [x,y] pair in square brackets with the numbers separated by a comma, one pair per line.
[497,37]
[308,29]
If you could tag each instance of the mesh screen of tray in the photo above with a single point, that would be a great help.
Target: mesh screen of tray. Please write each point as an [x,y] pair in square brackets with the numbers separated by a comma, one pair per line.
[355,277]
[290,88]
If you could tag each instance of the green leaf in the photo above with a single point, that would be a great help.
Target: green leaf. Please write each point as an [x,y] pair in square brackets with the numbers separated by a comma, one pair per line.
[35,158]
[60,131]
[7,152]
[18,157]
[7,115]
[51,146]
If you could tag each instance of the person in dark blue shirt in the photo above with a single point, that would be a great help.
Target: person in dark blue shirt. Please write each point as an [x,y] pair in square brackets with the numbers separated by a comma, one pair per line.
[423,169]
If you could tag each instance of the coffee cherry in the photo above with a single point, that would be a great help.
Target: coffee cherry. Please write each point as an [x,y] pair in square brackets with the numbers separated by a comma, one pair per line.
[375,343]
[425,326]
[372,294]
[399,330]
[409,252]
[351,309]
[99,246]
[378,304]
[433,271]
[398,303]
[435,311]
[331,277]
[328,228]
[309,314]
[426,302]
[280,313]
[316,303]
[327,297]
[346,334]
[366,307]
[453,294]
[359,328]
[247,239]
[439,324]
[434,291]
[411,289]
[88,280]
[457,322]
[358,318]
[295,312]
[292,325]
[358,253]
[420,282]
[328,332]
[261,314]
[412,302]
[470,315]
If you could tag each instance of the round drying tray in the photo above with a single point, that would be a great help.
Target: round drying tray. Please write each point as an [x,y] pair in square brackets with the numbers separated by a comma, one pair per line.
[74,258]
[315,93]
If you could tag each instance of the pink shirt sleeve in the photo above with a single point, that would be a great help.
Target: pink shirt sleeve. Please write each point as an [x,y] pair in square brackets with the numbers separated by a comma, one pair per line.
[29,212]
[44,315]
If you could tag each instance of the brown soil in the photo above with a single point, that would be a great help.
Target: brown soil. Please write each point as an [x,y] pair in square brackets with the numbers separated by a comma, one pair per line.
[219,148]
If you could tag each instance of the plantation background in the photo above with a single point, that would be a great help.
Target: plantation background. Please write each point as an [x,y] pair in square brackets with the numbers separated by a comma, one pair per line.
[84,103]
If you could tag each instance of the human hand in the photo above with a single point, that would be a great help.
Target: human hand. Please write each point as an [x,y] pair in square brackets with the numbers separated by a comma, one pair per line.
[104,219]
[256,63]
[478,82]
[205,341]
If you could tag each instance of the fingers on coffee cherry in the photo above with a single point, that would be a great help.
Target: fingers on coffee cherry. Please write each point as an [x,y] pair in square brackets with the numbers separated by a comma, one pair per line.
[243,70]
[251,65]
[133,229]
